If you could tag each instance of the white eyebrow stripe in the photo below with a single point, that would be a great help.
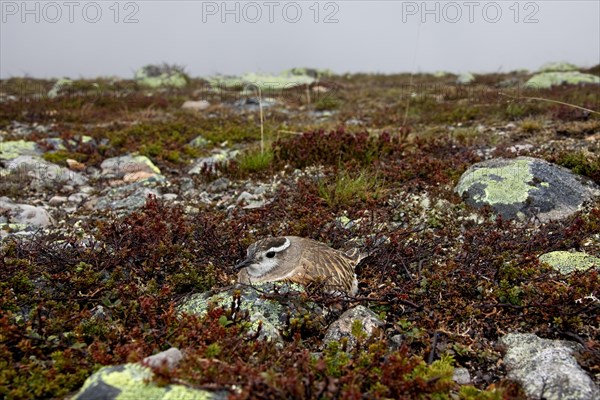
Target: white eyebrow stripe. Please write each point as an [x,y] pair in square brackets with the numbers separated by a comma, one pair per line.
[284,246]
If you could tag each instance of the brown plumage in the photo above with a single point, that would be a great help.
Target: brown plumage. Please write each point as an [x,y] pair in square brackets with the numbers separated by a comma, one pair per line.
[300,260]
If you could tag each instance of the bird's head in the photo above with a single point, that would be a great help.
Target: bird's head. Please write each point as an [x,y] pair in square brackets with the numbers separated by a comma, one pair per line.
[264,256]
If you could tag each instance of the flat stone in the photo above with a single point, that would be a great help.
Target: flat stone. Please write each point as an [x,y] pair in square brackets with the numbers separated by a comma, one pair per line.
[200,105]
[44,173]
[342,328]
[546,368]
[461,376]
[125,198]
[170,358]
[57,200]
[118,167]
[271,314]
[24,214]
[526,188]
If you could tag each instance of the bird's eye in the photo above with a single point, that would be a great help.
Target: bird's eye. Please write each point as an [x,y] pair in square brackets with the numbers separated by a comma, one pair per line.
[270,254]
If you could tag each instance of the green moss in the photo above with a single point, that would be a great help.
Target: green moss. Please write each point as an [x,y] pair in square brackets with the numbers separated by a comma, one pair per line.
[60,157]
[469,392]
[441,370]
[581,164]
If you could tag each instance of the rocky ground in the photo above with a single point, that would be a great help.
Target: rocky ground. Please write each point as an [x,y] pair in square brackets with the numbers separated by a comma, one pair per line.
[124,207]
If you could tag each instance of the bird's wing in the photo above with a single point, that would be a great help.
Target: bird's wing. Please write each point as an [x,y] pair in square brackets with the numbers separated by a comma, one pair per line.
[334,267]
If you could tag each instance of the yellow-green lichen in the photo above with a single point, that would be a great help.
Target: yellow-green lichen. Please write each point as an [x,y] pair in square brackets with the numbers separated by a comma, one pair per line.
[132,380]
[145,160]
[502,185]
[16,148]
[566,262]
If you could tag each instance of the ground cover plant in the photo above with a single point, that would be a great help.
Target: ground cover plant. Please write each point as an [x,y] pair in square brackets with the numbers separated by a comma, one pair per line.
[102,289]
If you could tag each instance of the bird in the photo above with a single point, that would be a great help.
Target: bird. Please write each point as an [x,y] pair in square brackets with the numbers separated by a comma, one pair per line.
[300,260]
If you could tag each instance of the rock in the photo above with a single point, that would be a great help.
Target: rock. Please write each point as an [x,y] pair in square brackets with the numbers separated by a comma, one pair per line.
[57,200]
[13,149]
[209,163]
[342,328]
[525,188]
[138,176]
[465,78]
[125,198]
[250,201]
[59,86]
[219,185]
[134,381]
[53,144]
[155,76]
[566,262]
[170,358]
[169,196]
[199,142]
[119,167]
[186,184]
[24,215]
[546,80]
[253,103]
[560,66]
[200,105]
[75,165]
[312,72]
[546,368]
[78,198]
[461,376]
[44,174]
[250,82]
[271,312]
[520,147]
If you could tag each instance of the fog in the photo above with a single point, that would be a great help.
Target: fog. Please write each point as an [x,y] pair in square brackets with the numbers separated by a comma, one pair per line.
[110,38]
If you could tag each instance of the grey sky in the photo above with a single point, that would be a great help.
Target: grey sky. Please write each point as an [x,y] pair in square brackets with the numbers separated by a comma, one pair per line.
[361,36]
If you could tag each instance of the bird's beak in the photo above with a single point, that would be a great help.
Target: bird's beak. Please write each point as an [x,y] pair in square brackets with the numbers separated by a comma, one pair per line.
[243,264]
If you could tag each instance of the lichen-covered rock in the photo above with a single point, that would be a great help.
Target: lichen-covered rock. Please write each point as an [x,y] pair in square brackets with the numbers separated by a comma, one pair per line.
[560,66]
[45,174]
[199,142]
[122,166]
[169,358]
[127,198]
[192,105]
[273,306]
[252,81]
[525,188]
[24,213]
[209,163]
[461,376]
[566,262]
[546,80]
[155,76]
[59,87]
[546,368]
[15,148]
[343,327]
[132,381]
[465,79]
